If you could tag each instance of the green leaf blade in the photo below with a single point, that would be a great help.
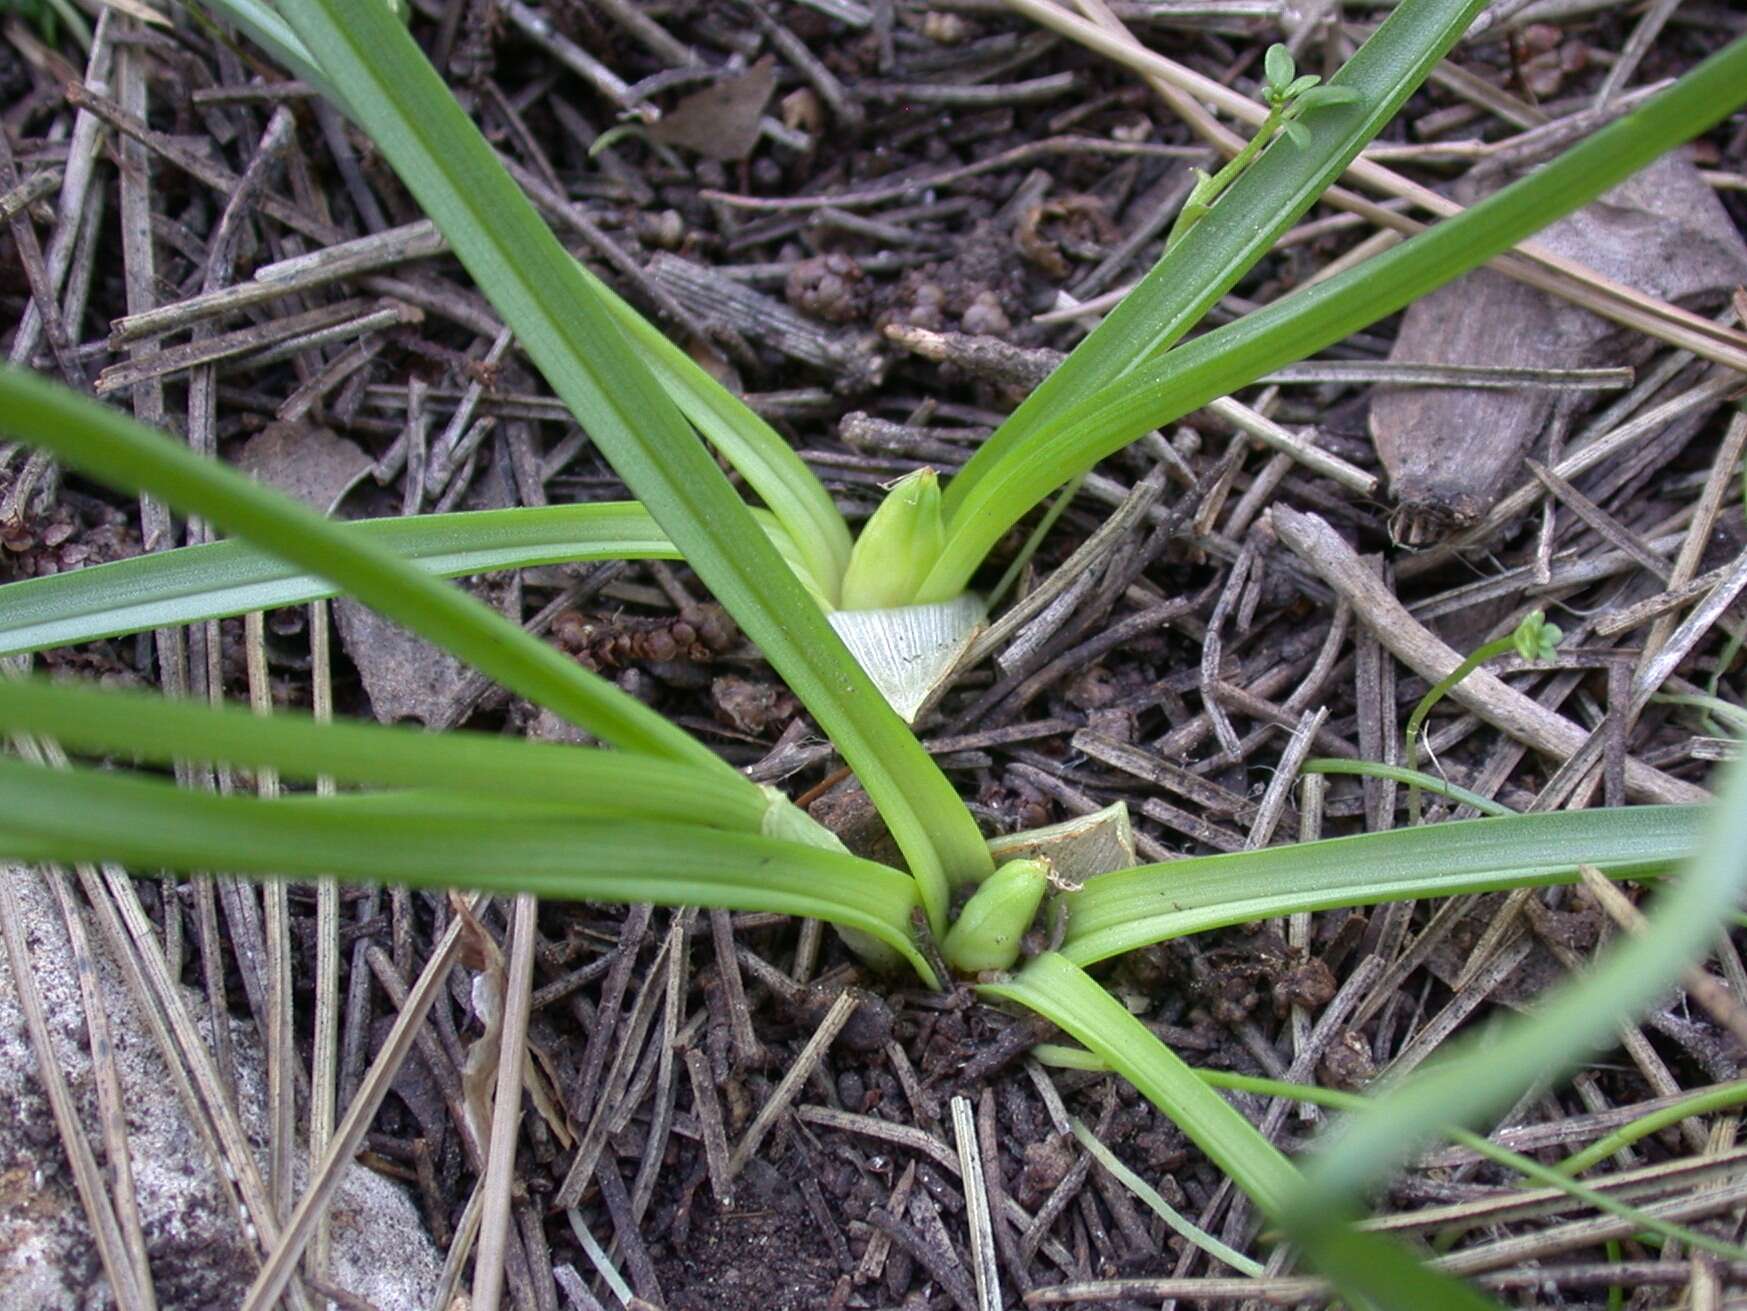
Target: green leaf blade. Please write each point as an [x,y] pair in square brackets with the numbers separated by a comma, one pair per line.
[1204,265]
[571,337]
[1061,992]
[1083,428]
[1487,1072]
[195,583]
[46,815]
[128,456]
[586,781]
[751,446]
[1119,912]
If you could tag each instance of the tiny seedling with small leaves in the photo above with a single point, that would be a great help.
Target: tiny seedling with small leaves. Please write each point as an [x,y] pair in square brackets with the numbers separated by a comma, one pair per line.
[1289,97]
[1534,639]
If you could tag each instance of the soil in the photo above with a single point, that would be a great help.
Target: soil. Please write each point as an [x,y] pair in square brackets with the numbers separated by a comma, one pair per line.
[1011,174]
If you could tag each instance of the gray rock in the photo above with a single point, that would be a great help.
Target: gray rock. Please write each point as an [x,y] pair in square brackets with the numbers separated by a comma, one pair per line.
[199,1256]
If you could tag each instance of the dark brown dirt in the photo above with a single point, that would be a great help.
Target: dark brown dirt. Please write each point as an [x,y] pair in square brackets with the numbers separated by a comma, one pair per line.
[975,252]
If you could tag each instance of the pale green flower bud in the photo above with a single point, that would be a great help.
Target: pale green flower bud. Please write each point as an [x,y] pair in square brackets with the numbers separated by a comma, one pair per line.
[987,932]
[897,547]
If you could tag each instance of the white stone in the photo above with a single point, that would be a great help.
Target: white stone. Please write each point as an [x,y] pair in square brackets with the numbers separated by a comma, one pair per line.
[201,1259]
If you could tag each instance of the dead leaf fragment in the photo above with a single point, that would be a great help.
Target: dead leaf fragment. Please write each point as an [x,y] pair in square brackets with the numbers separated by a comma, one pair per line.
[721,121]
[1452,451]
[480,952]
[312,463]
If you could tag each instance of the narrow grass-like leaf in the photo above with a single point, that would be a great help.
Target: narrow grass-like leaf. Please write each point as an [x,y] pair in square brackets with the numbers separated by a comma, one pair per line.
[1119,912]
[1118,1041]
[585,780]
[269,31]
[1063,993]
[1162,390]
[1207,262]
[1179,1222]
[1732,714]
[128,456]
[1425,782]
[751,446]
[1528,1167]
[573,339]
[1373,1272]
[54,815]
[1482,1077]
[768,463]
[194,583]
[1699,1103]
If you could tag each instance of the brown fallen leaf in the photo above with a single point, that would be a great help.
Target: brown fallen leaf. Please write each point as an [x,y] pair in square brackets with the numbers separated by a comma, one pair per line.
[1451,452]
[721,121]
[480,952]
[305,460]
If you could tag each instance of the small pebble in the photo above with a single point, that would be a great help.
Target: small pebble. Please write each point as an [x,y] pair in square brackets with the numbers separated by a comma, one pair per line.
[985,317]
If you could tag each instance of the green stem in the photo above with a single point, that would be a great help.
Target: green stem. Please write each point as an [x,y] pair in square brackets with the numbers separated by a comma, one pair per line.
[1716,1099]
[1550,1176]
[1410,745]
[1412,777]
[1208,190]
[1711,705]
[1063,499]
[1163,1209]
[1554,1176]
[1732,647]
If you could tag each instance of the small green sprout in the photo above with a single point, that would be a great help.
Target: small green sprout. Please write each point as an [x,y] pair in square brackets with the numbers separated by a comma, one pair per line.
[1289,98]
[1292,96]
[898,546]
[1533,639]
[987,932]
